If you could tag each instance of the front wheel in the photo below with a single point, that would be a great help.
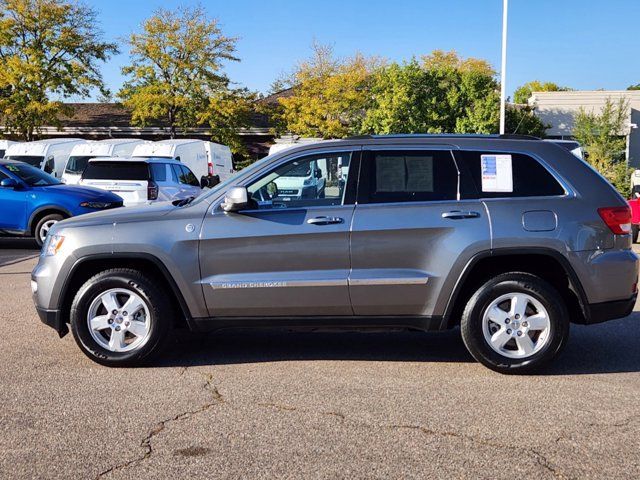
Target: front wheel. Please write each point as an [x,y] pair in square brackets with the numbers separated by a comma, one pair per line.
[515,323]
[44,225]
[120,318]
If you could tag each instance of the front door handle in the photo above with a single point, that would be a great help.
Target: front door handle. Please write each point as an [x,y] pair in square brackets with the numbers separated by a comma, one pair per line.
[325,220]
[458,215]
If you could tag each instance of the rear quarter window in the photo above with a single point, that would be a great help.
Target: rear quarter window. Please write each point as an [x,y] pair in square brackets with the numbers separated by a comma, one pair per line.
[116,171]
[530,177]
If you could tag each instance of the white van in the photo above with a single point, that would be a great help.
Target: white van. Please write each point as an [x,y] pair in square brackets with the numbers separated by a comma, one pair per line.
[291,141]
[50,155]
[82,152]
[4,144]
[205,159]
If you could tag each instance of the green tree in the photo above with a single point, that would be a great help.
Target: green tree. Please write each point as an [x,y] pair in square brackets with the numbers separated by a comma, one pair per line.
[48,48]
[602,136]
[634,87]
[176,66]
[329,95]
[522,93]
[228,112]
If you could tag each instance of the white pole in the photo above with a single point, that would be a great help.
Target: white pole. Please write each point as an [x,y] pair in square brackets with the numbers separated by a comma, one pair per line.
[503,70]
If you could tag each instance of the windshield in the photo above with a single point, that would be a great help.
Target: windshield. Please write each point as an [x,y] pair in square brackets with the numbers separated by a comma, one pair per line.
[77,164]
[31,160]
[116,171]
[32,176]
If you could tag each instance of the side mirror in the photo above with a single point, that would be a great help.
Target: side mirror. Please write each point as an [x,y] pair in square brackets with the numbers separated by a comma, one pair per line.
[8,183]
[318,173]
[236,199]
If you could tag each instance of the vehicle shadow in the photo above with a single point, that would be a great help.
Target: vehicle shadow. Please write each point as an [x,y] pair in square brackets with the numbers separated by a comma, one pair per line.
[17,249]
[276,345]
[612,347]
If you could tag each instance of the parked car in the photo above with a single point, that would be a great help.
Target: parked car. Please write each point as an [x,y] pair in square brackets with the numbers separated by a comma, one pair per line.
[508,237]
[142,181]
[4,144]
[83,152]
[50,155]
[32,201]
[210,162]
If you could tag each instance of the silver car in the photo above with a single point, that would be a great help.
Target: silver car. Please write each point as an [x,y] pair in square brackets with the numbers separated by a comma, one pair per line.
[509,238]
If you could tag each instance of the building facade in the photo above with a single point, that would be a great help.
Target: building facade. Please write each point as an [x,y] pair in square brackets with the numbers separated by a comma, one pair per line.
[559,109]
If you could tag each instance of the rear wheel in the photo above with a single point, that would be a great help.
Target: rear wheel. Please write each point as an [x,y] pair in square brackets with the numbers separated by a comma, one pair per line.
[119,318]
[44,225]
[635,229]
[515,323]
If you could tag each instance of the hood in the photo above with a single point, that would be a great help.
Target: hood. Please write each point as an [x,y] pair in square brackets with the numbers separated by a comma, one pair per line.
[143,213]
[82,192]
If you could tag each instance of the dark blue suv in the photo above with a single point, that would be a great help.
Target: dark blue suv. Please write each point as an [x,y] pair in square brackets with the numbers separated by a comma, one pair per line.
[32,201]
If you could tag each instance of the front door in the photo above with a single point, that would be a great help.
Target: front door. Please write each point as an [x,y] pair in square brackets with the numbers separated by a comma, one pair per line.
[410,232]
[288,254]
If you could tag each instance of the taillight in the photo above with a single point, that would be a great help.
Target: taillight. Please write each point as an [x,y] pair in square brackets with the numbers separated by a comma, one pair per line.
[618,219]
[152,191]
[210,167]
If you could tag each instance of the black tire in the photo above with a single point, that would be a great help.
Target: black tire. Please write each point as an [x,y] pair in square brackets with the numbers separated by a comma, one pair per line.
[472,325]
[38,231]
[635,229]
[160,311]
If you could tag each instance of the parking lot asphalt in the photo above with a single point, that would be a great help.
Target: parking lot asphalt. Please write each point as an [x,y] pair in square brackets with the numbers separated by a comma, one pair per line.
[267,404]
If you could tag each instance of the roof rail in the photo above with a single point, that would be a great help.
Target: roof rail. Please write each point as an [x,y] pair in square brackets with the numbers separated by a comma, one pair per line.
[508,136]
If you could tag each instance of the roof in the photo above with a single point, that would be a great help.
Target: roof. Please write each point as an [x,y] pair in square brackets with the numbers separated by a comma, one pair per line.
[447,136]
[275,97]
[135,159]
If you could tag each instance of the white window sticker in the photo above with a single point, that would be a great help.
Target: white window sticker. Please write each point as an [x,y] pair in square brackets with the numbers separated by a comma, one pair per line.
[497,173]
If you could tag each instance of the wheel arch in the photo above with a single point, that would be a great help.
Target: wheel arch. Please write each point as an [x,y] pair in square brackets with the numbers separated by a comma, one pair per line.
[87,266]
[43,211]
[546,263]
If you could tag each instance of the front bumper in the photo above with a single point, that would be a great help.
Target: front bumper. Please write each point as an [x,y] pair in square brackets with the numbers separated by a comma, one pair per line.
[605,311]
[53,319]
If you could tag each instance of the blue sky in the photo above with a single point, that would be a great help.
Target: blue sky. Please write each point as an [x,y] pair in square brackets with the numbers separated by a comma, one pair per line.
[578,43]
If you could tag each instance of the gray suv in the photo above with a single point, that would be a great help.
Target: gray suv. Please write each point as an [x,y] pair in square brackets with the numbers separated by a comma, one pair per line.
[509,238]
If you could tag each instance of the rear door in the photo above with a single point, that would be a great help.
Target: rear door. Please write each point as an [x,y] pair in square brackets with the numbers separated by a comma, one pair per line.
[411,235]
[129,180]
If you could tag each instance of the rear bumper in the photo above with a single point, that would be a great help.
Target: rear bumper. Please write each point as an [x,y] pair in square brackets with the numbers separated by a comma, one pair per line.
[602,312]
[54,320]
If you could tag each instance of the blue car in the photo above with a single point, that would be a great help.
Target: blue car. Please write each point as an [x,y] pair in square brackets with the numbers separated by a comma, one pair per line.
[32,201]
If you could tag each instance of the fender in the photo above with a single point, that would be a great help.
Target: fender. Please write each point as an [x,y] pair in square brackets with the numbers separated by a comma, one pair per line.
[127,255]
[41,209]
[574,282]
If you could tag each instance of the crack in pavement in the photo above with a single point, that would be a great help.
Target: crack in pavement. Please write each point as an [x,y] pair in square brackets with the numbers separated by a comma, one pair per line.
[539,458]
[145,443]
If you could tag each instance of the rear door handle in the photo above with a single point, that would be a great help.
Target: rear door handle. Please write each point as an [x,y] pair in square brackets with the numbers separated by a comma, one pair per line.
[324,220]
[458,215]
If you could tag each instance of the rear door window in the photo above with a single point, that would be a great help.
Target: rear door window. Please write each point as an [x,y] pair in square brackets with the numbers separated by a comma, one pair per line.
[116,171]
[408,176]
[529,178]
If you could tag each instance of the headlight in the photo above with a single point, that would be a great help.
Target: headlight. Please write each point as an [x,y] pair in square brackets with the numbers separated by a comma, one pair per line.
[308,181]
[97,205]
[52,245]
